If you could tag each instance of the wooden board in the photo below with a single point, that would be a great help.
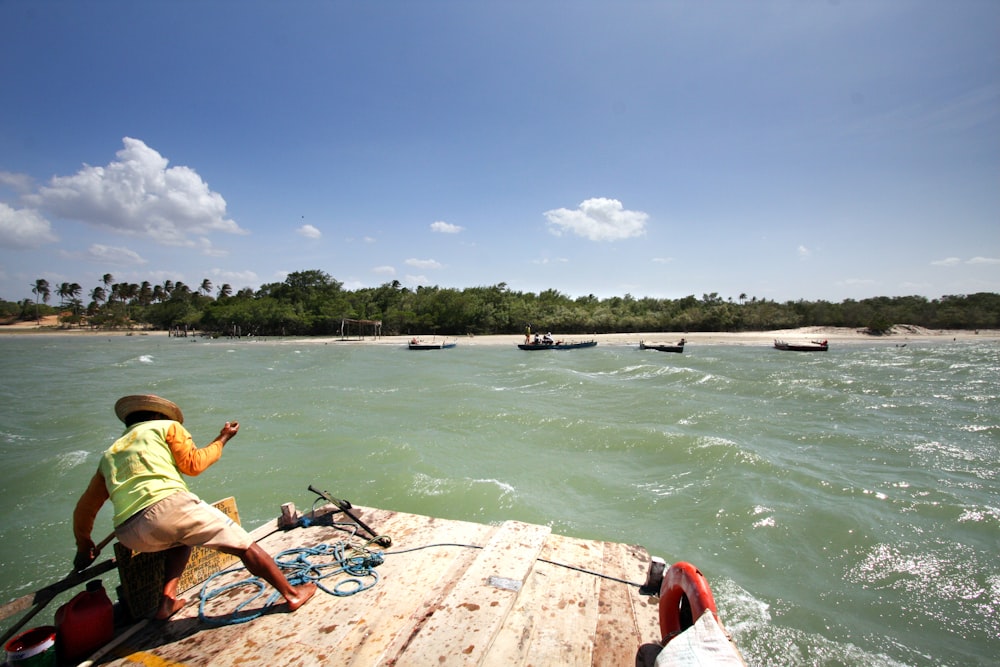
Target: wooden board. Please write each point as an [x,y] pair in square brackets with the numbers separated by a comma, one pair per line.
[463,623]
[555,616]
[450,593]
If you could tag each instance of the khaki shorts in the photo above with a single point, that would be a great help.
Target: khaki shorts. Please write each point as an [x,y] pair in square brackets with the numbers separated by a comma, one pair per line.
[181,519]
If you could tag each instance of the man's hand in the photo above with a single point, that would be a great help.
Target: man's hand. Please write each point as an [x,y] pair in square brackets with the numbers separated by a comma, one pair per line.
[228,431]
[85,556]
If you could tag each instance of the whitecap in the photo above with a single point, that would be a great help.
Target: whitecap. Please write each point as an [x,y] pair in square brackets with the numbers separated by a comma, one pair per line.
[69,460]
[978,514]
[505,488]
[429,486]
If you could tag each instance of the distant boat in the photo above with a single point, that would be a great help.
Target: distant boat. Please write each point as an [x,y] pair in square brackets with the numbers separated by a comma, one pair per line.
[664,348]
[815,346]
[557,345]
[417,344]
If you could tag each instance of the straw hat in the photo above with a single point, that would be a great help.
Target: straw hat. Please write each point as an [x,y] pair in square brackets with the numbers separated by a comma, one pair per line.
[126,405]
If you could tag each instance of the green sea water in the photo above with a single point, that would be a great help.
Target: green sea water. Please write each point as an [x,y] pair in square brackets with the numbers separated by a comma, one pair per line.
[844,505]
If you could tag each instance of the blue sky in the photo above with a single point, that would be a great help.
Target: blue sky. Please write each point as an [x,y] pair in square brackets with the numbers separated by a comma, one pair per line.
[781,150]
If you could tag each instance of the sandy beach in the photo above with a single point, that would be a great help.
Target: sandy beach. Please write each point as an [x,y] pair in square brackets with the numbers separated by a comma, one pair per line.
[835,335]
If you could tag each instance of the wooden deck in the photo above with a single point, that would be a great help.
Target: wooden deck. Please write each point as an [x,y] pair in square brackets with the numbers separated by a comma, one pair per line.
[450,593]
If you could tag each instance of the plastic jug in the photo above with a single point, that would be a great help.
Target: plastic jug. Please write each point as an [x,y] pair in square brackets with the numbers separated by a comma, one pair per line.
[85,623]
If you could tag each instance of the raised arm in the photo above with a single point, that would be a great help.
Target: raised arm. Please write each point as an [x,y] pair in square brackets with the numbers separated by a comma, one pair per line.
[191,460]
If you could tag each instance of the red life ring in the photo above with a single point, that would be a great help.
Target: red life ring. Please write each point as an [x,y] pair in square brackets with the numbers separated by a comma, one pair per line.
[684,597]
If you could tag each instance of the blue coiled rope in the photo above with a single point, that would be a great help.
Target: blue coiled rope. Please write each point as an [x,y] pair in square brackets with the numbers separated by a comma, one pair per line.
[299,569]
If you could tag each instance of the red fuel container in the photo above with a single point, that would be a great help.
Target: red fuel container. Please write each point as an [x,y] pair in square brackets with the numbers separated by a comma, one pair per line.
[85,623]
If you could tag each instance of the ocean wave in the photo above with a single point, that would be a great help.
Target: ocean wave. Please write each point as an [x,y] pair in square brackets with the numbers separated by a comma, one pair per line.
[69,460]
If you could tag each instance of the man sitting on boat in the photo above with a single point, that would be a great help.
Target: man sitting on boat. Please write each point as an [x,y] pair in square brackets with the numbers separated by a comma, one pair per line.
[141,473]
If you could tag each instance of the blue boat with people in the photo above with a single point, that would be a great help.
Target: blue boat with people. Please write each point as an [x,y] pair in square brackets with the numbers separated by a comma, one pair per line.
[557,345]
[547,342]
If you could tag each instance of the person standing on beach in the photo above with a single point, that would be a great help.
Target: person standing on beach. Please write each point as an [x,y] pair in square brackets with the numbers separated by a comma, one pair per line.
[141,473]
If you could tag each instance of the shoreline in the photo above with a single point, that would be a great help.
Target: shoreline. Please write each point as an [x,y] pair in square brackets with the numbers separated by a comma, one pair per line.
[835,335]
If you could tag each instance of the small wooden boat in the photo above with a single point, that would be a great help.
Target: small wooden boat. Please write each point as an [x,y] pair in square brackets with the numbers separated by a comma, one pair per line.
[814,346]
[664,348]
[437,591]
[416,344]
[557,345]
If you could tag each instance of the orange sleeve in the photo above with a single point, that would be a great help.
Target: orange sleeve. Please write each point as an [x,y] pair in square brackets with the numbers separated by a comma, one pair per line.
[190,460]
[87,508]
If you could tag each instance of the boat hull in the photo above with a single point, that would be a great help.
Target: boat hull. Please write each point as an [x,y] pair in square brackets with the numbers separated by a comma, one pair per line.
[556,346]
[662,348]
[789,347]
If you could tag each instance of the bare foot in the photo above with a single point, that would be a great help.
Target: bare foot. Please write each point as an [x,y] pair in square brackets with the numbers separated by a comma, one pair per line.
[302,595]
[169,607]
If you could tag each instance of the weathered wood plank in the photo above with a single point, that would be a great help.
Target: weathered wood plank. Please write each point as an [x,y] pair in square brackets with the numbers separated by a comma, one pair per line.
[555,617]
[375,625]
[619,632]
[462,625]
[645,609]
[448,595]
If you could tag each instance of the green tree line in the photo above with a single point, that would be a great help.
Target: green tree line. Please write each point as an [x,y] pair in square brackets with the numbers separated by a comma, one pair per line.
[313,303]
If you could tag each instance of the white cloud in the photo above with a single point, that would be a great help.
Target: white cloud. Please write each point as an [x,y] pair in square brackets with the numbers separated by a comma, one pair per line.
[598,219]
[983,260]
[104,254]
[385,270]
[445,228]
[423,263]
[416,281]
[948,261]
[309,232]
[662,260]
[208,249]
[804,252]
[235,278]
[138,194]
[19,182]
[24,228]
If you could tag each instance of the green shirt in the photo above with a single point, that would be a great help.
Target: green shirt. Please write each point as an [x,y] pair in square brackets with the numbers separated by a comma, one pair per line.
[139,468]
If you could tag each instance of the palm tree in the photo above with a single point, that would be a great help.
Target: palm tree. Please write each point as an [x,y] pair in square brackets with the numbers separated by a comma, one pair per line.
[40,289]
[99,294]
[68,296]
[206,286]
[225,291]
[63,292]
[145,294]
